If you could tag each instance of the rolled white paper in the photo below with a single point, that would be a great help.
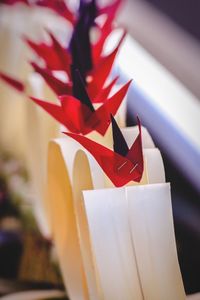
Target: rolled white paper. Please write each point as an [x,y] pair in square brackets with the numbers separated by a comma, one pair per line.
[152,231]
[62,216]
[111,243]
[133,245]
[72,169]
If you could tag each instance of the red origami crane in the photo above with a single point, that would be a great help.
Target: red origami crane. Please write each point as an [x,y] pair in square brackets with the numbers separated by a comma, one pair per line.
[121,165]
[78,114]
[81,54]
[57,57]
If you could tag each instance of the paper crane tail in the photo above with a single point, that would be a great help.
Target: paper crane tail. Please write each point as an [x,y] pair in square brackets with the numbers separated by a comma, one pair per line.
[16,84]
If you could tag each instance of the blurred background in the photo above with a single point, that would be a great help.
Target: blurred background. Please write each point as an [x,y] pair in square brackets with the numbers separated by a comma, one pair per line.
[162,55]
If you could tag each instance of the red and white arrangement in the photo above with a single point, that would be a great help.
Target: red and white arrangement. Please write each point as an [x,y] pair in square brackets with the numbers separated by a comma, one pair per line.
[103,190]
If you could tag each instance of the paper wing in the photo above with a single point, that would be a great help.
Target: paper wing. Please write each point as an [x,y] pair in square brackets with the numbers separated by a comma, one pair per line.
[135,153]
[98,46]
[58,86]
[60,7]
[101,71]
[116,167]
[111,9]
[110,106]
[16,84]
[104,93]
[55,56]
[53,109]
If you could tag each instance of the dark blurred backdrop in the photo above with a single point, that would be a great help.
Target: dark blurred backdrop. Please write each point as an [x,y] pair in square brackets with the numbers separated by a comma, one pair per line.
[186,13]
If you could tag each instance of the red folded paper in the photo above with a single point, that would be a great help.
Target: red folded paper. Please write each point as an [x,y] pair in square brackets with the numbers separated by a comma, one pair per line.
[16,84]
[121,165]
[79,117]
[56,57]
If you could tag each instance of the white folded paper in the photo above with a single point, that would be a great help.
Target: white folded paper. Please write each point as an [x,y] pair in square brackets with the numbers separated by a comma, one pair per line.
[71,169]
[132,241]
[152,230]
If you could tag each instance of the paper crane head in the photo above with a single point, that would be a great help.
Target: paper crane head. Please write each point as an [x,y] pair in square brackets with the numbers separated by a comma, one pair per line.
[121,165]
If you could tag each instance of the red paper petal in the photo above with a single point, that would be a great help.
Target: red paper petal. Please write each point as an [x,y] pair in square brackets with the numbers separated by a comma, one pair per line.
[16,84]
[58,113]
[53,109]
[111,106]
[100,73]
[78,118]
[98,47]
[72,113]
[104,93]
[55,56]
[62,53]
[47,53]
[58,86]
[119,169]
[60,7]
[111,9]
[76,113]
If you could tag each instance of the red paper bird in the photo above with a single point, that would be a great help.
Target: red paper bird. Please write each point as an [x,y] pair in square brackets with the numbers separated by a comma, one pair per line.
[59,59]
[56,57]
[121,165]
[80,54]
[78,114]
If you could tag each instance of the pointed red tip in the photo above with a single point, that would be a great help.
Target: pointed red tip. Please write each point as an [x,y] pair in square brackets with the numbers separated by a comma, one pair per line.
[18,85]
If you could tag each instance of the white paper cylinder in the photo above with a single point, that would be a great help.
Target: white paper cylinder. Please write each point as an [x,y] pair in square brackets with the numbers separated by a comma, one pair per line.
[111,243]
[71,168]
[132,240]
[152,231]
